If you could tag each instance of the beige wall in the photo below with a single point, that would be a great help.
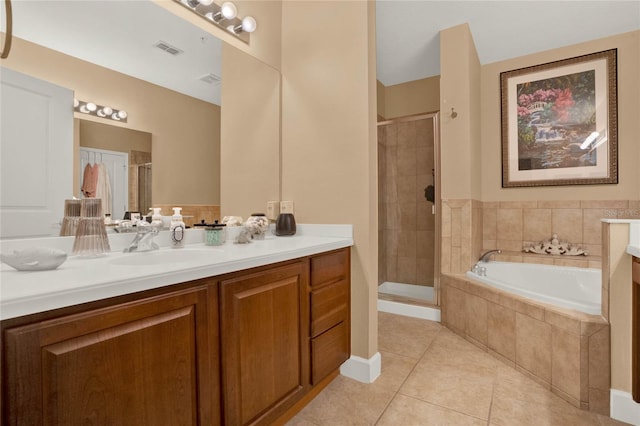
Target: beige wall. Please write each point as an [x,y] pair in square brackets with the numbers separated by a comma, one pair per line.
[413,97]
[628,46]
[186,131]
[459,89]
[250,168]
[329,159]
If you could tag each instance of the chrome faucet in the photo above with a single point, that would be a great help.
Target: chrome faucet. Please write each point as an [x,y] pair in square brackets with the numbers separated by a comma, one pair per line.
[143,241]
[487,255]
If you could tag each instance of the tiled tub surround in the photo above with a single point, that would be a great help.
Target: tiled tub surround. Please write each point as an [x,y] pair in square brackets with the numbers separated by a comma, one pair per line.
[564,350]
[470,227]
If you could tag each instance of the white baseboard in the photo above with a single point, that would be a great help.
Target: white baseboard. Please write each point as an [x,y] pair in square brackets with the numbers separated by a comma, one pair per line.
[407,310]
[624,408]
[362,369]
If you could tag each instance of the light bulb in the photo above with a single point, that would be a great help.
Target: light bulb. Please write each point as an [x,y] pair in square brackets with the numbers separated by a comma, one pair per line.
[107,110]
[205,2]
[228,10]
[122,114]
[76,103]
[249,24]
[91,106]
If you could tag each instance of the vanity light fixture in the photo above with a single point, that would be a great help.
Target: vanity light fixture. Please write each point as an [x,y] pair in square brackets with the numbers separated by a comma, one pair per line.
[100,111]
[223,16]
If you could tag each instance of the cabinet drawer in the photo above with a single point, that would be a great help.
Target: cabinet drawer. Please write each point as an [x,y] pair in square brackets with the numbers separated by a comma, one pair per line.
[329,306]
[329,351]
[635,271]
[331,267]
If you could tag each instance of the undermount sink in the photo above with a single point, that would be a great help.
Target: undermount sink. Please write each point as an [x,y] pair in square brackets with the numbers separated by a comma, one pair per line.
[166,256]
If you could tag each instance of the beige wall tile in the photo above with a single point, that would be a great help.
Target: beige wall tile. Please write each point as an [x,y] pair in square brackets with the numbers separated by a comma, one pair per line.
[407,272]
[510,246]
[391,161]
[490,224]
[446,220]
[425,244]
[490,204]
[566,323]
[567,223]
[489,245]
[599,360]
[407,244]
[445,254]
[406,189]
[604,204]
[565,362]
[593,249]
[407,161]
[533,346]
[392,216]
[406,134]
[560,204]
[518,204]
[456,225]
[592,226]
[408,217]
[455,302]
[477,318]
[537,224]
[509,224]
[501,331]
[426,219]
[456,265]
[599,401]
[457,203]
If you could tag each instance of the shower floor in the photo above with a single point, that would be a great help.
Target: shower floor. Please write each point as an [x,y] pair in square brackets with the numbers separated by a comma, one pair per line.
[407,290]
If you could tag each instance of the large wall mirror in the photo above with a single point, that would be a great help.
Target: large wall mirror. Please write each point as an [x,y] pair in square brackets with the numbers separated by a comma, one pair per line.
[107,52]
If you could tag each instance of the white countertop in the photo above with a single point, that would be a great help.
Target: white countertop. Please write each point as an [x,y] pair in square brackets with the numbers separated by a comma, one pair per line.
[81,280]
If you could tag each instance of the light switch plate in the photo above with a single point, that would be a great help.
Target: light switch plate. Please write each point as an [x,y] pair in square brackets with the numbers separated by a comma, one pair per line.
[286,207]
[273,210]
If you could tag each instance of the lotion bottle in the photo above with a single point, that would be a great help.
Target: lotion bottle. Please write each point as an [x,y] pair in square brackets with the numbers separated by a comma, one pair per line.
[177,229]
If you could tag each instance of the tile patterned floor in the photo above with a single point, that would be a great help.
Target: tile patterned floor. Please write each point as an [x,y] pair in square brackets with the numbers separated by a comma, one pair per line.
[431,376]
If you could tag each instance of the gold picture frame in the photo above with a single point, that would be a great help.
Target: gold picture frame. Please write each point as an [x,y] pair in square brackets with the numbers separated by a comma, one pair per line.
[560,122]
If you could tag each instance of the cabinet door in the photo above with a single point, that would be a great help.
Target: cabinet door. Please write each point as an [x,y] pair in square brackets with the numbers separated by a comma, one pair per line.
[264,319]
[148,362]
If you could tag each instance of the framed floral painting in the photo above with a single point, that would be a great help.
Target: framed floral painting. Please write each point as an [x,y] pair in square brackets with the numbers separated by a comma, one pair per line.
[559,122]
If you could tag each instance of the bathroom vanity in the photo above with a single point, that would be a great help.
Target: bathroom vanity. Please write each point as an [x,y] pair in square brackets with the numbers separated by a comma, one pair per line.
[244,346]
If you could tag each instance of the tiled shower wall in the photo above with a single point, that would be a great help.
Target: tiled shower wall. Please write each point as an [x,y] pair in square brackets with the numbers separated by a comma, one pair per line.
[406,227]
[470,227]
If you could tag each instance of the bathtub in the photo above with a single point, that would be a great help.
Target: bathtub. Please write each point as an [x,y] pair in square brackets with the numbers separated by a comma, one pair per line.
[565,287]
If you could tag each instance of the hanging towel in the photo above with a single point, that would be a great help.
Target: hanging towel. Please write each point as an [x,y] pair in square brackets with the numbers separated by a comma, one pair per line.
[89,180]
[103,188]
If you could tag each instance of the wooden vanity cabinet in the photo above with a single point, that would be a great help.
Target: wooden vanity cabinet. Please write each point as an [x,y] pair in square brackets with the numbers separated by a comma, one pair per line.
[264,323]
[238,349]
[152,361]
[330,312]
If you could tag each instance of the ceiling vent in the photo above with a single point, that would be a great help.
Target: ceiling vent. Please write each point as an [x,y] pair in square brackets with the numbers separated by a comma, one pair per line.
[168,48]
[210,78]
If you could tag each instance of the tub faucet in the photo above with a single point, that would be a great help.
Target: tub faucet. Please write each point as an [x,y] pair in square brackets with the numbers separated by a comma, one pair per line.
[143,241]
[487,255]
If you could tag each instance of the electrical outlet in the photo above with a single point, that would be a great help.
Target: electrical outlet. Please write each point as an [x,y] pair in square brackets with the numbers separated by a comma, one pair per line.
[273,210]
[286,207]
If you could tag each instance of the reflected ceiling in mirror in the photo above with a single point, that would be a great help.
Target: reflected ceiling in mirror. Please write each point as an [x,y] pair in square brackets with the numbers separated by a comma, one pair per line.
[137,38]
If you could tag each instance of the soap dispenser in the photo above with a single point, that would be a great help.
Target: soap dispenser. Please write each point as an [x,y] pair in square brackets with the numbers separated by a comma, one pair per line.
[177,229]
[156,218]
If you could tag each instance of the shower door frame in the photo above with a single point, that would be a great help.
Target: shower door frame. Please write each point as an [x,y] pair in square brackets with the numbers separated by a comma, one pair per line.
[438,202]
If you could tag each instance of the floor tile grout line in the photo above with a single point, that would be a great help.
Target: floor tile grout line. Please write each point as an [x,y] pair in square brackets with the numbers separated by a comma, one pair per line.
[397,391]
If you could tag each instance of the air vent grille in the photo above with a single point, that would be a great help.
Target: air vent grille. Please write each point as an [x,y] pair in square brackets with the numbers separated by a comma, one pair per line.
[210,78]
[172,50]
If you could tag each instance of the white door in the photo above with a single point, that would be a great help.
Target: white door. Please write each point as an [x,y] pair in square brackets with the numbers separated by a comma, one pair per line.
[116,163]
[36,155]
